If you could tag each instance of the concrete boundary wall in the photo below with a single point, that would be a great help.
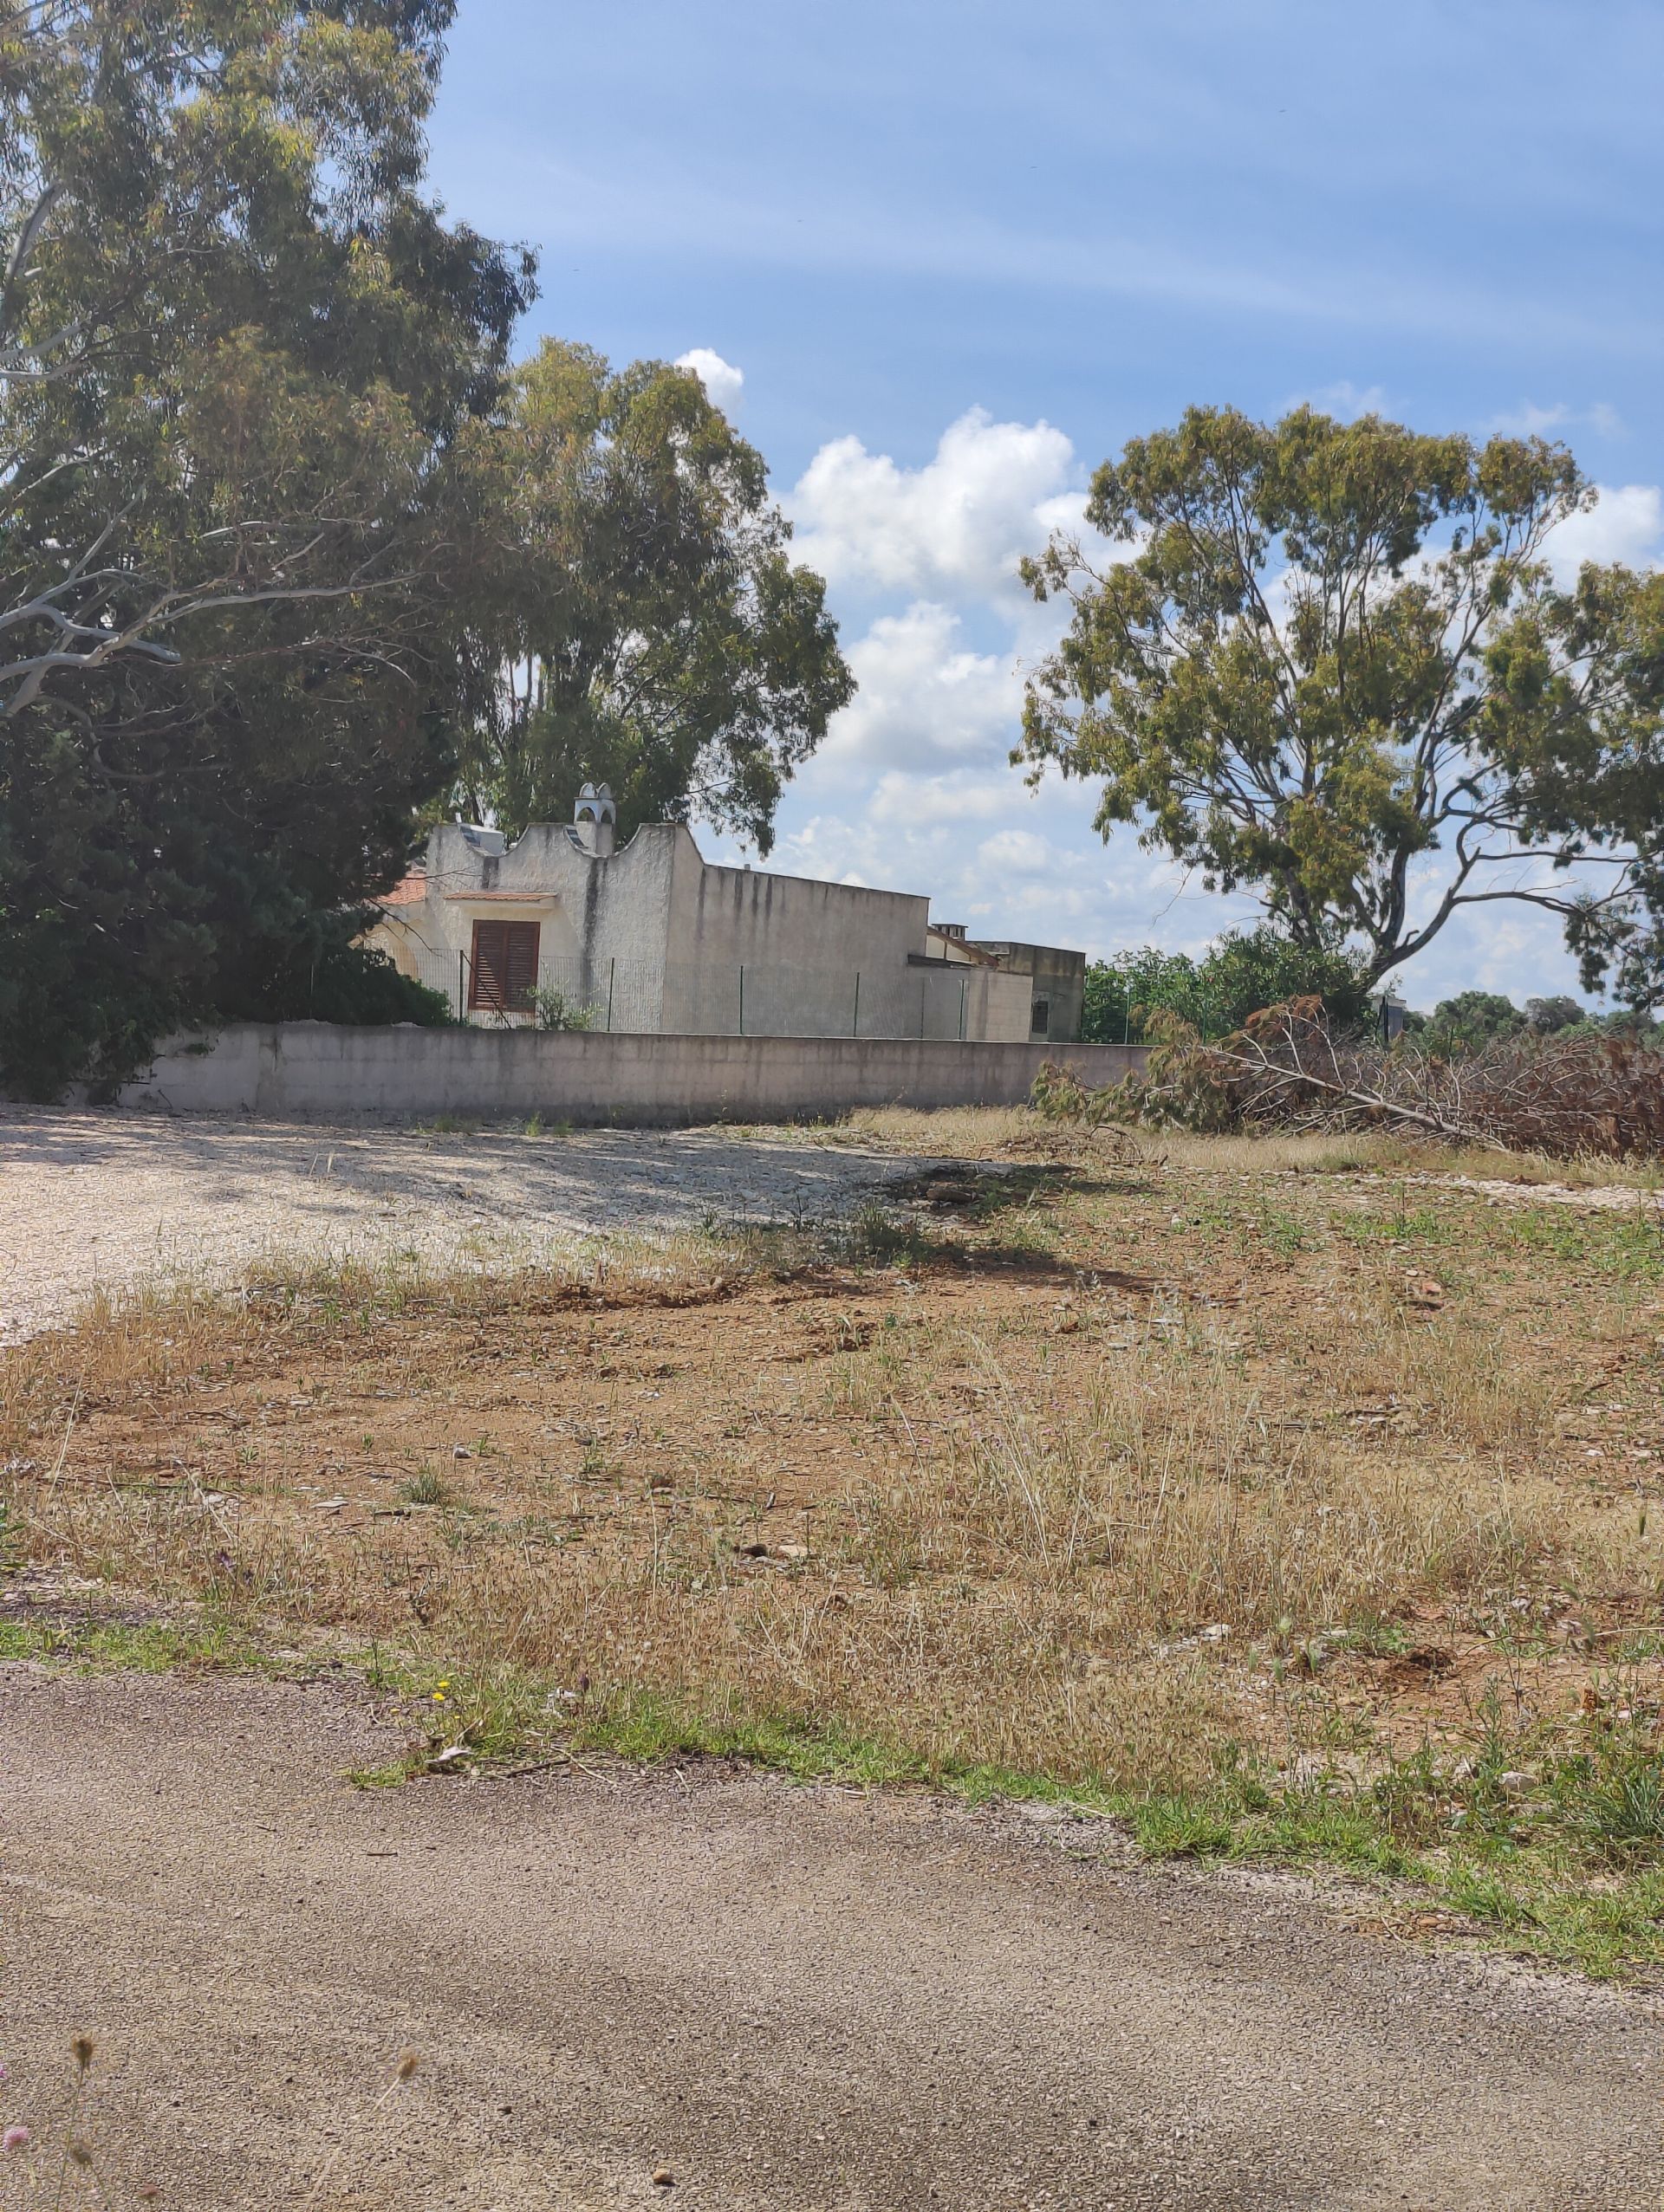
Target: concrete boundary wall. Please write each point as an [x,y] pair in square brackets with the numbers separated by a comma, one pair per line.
[317,1071]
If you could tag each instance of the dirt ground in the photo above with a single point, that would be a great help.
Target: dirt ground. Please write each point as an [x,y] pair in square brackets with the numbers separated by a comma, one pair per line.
[115,1202]
[766,1430]
[768,1997]
[1291,1504]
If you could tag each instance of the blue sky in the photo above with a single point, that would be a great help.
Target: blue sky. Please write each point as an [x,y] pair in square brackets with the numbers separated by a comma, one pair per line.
[957,253]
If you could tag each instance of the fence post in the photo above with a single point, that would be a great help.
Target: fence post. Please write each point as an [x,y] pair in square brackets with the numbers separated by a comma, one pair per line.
[964,985]
[462,995]
[742,999]
[612,972]
[854,1019]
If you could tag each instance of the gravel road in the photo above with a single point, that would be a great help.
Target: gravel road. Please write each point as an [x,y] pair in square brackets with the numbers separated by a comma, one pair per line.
[93,1201]
[777,1998]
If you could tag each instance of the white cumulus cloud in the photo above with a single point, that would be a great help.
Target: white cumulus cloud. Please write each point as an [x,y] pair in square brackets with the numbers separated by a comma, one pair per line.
[912,788]
[723,382]
[1627,524]
[1017,852]
[956,526]
[923,697]
[932,802]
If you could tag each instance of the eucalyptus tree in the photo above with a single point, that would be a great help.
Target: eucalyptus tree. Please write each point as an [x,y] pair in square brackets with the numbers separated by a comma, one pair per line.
[237,344]
[633,615]
[1332,668]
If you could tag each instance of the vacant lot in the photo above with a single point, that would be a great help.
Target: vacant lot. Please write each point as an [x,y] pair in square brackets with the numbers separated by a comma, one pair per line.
[120,1203]
[1294,1500]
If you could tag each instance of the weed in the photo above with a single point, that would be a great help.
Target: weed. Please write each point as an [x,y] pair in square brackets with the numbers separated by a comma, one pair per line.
[874,1237]
[427,1486]
[1284,1234]
[1372,1637]
[554,1009]
[141,1647]
[1426,1225]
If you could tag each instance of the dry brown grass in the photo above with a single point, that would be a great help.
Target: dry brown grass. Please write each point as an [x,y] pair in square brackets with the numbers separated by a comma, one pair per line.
[974,1132]
[1097,1481]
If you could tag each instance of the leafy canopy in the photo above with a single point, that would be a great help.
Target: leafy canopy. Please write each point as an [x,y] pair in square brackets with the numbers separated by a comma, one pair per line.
[1241,973]
[238,346]
[633,615]
[1333,670]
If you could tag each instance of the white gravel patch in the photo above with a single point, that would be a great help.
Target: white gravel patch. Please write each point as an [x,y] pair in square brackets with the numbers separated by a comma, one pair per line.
[1596,1198]
[93,1201]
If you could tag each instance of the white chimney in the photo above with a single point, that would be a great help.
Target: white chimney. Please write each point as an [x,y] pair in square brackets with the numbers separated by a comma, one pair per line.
[595,820]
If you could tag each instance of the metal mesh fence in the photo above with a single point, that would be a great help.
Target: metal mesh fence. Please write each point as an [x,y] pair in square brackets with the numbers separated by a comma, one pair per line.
[706,999]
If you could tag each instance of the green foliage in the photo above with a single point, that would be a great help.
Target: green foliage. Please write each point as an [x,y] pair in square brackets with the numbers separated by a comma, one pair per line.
[1548,1016]
[237,346]
[556,1010]
[1238,975]
[1182,1084]
[1466,1024]
[427,1488]
[1469,1019]
[1122,991]
[319,972]
[1333,652]
[634,616]
[1058,1095]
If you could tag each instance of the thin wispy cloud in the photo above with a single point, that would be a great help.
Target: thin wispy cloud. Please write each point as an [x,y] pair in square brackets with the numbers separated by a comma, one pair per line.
[649,218]
[1528,420]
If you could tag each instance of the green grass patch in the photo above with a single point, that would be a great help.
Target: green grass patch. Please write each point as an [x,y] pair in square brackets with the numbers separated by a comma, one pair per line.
[1555,1846]
[427,1487]
[130,1647]
[1406,1225]
[1627,1246]
[1563,1859]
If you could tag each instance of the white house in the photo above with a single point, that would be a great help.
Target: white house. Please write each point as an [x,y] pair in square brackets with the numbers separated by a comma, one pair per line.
[653,937]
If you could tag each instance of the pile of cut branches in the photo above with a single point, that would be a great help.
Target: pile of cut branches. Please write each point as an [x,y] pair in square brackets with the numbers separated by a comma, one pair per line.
[1562,1095]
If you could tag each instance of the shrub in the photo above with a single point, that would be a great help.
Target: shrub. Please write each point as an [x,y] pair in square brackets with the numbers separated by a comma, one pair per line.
[553,1008]
[1239,974]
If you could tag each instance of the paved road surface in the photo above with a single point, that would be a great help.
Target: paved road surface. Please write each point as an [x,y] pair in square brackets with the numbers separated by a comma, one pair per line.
[780,1998]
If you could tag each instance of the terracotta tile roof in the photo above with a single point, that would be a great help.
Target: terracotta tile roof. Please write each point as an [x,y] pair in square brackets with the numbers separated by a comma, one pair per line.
[410,892]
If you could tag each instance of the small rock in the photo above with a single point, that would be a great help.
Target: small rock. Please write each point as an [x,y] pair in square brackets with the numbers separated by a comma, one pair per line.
[791,1551]
[1514,1782]
[663,2178]
[1215,1634]
[460,1451]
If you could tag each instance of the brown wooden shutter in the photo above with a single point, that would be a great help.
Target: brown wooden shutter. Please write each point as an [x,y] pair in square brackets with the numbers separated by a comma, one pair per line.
[522,964]
[504,967]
